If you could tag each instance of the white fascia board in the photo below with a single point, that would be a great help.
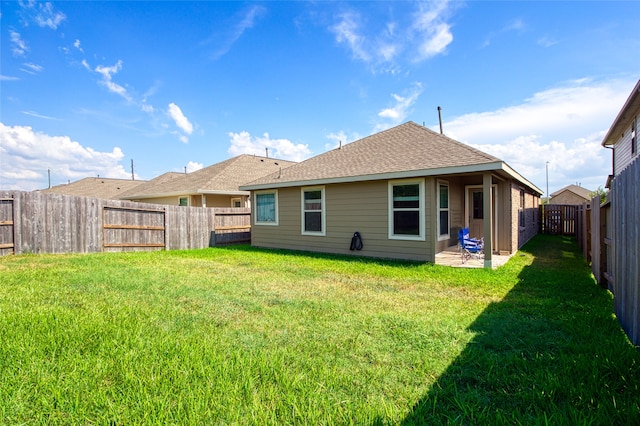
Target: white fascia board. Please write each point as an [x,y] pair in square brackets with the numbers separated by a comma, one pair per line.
[184,194]
[507,169]
[474,168]
[624,117]
[214,192]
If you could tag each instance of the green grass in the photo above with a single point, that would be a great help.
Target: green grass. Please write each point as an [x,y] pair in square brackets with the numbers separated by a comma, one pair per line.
[246,336]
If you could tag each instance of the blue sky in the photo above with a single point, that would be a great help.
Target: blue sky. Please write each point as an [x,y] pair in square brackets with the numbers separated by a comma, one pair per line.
[86,87]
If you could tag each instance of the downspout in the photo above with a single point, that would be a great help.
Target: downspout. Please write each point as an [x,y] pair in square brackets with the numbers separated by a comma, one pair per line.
[613,159]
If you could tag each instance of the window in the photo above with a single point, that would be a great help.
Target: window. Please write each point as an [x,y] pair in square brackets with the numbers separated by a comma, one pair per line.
[406,210]
[634,136]
[266,207]
[477,208]
[236,202]
[521,217]
[313,218]
[443,211]
[184,201]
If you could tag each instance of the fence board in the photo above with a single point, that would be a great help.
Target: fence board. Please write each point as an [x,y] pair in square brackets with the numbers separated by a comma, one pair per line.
[6,226]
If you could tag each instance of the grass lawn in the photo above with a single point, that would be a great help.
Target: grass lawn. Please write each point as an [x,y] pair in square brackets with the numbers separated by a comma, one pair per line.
[240,335]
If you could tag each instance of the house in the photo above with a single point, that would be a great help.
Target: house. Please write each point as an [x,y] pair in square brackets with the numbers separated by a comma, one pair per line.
[616,263]
[213,186]
[96,187]
[622,137]
[407,191]
[571,194]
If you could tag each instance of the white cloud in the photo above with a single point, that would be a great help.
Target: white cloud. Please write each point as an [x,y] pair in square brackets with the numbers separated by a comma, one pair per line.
[42,14]
[26,156]
[563,125]
[425,35]
[438,39]
[340,138]
[246,22]
[181,121]
[347,31]
[518,26]
[107,79]
[35,114]
[192,166]
[20,47]
[32,69]
[432,30]
[76,44]
[398,112]
[283,149]
[547,41]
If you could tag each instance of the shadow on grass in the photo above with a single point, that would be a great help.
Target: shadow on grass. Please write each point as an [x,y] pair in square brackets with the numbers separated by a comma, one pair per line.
[326,256]
[550,352]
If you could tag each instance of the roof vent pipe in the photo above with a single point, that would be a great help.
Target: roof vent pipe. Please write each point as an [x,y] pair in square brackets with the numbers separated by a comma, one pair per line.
[267,151]
[440,119]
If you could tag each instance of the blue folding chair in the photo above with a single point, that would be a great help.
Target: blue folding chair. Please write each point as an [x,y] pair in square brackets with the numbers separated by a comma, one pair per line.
[470,247]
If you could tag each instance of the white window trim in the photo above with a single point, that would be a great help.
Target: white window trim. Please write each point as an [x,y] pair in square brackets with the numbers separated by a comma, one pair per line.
[255,203]
[322,211]
[421,210]
[234,199]
[446,236]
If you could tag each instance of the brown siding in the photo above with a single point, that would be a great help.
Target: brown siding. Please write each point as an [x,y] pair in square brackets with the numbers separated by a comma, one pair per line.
[219,200]
[531,212]
[568,197]
[363,207]
[350,207]
[168,201]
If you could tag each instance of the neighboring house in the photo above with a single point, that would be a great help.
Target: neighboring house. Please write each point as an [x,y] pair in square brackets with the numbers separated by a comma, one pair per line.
[622,136]
[406,190]
[213,186]
[572,194]
[96,187]
[618,249]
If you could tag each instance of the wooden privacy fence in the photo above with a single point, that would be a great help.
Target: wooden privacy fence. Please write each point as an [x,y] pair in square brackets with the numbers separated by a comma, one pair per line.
[558,219]
[609,235]
[36,222]
[623,251]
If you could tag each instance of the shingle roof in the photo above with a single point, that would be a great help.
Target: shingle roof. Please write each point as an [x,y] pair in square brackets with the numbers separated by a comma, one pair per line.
[403,148]
[96,187]
[578,190]
[223,177]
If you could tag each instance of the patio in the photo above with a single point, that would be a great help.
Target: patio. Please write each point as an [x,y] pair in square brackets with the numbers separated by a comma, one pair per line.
[452,257]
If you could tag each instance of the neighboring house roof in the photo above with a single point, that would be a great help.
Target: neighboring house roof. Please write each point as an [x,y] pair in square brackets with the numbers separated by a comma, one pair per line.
[220,178]
[95,187]
[578,190]
[407,150]
[624,118]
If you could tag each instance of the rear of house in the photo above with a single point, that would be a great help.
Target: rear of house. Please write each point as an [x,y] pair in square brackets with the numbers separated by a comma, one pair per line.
[407,191]
[213,186]
[571,195]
